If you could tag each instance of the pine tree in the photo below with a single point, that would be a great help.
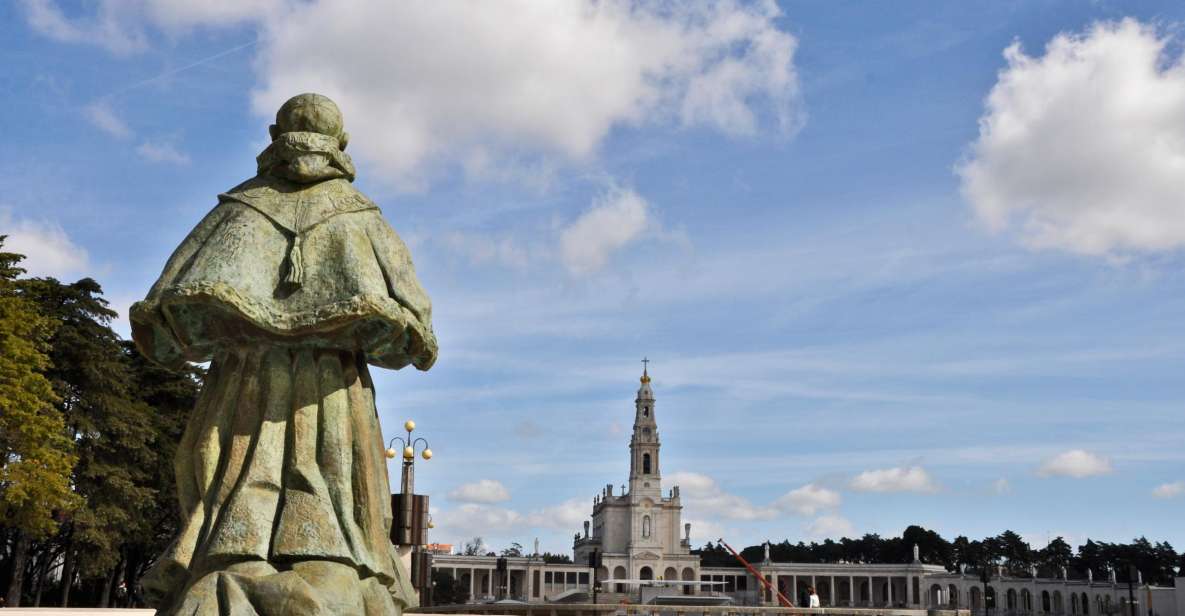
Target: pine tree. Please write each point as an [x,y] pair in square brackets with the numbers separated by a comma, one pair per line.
[111,426]
[36,456]
[172,396]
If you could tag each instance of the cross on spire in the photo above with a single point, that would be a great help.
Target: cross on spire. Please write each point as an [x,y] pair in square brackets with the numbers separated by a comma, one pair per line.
[645,375]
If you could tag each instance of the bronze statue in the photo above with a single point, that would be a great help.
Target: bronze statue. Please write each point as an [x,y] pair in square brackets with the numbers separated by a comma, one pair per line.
[289,287]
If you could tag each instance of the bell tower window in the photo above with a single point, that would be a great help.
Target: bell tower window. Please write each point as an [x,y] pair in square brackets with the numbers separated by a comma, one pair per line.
[645,464]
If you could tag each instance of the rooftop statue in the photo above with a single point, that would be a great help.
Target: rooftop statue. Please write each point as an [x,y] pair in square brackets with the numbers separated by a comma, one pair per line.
[290,287]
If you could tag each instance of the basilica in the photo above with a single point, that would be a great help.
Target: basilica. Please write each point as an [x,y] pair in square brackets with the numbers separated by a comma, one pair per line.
[635,541]
[638,534]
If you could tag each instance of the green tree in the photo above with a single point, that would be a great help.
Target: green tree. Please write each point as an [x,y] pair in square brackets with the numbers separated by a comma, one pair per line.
[171,395]
[111,426]
[446,590]
[1054,556]
[36,457]
[515,549]
[476,547]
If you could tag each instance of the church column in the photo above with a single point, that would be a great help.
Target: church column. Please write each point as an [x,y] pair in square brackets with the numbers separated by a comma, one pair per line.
[472,574]
[909,590]
[852,591]
[793,589]
[871,593]
[890,597]
[832,599]
[773,579]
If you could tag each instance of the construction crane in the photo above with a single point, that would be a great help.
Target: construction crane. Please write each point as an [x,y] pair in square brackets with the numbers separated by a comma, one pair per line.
[760,578]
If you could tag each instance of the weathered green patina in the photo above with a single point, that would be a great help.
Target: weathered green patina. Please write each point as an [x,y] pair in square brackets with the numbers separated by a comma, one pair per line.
[291,286]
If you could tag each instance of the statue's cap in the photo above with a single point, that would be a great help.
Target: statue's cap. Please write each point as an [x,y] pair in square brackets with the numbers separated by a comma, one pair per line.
[313,113]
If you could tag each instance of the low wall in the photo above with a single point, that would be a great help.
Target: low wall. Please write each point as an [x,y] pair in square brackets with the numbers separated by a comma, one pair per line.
[607,609]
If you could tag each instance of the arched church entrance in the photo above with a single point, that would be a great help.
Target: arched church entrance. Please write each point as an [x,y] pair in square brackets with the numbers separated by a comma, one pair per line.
[619,574]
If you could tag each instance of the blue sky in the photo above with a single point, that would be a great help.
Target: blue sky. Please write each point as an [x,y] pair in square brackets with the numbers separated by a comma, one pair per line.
[894,263]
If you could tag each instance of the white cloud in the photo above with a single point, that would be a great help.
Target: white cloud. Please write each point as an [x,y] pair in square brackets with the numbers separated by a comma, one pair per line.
[49,251]
[1076,463]
[108,28]
[808,500]
[1001,486]
[1083,149]
[830,526]
[896,479]
[103,117]
[481,491]
[505,83]
[613,221]
[486,520]
[482,249]
[703,531]
[473,520]
[568,515]
[703,495]
[120,26]
[162,153]
[547,77]
[1169,490]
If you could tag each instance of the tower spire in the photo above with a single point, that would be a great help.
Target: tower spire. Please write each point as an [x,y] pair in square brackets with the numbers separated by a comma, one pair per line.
[645,474]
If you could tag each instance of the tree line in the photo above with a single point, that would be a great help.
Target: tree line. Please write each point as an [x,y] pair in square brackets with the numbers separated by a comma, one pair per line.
[1008,550]
[88,428]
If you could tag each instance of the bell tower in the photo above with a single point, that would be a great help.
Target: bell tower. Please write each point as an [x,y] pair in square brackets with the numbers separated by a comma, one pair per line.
[645,469]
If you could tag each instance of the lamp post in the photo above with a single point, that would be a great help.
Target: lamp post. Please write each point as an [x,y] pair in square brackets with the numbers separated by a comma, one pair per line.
[1132,574]
[409,529]
[407,478]
[985,576]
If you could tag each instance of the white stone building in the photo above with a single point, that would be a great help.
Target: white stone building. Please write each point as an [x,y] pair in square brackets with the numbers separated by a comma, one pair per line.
[640,536]
[639,533]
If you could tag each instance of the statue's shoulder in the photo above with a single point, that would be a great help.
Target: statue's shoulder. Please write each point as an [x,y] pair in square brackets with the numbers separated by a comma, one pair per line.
[345,197]
[280,200]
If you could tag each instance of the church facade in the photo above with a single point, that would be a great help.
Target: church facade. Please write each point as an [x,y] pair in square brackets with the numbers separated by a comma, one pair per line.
[638,533]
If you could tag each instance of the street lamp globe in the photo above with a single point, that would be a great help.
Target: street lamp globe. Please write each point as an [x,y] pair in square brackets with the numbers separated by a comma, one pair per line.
[409,425]
[391,453]
[408,453]
[427,454]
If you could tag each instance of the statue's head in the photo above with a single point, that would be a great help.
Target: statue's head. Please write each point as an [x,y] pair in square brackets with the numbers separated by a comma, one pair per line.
[308,143]
[310,113]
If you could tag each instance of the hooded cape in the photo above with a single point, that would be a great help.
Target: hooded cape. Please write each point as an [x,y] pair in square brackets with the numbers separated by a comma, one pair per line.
[233,280]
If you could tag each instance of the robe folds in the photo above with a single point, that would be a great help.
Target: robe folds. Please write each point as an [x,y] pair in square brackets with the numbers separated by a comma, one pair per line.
[289,291]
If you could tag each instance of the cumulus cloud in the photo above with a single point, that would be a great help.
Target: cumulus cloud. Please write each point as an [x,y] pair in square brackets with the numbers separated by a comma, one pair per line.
[121,26]
[896,479]
[614,220]
[808,500]
[1076,463]
[463,81]
[1169,490]
[483,250]
[472,83]
[49,251]
[162,153]
[485,520]
[704,496]
[830,526]
[1083,148]
[703,531]
[481,491]
[100,114]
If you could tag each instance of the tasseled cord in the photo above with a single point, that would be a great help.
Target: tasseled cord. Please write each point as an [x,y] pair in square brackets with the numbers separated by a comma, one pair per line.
[295,275]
